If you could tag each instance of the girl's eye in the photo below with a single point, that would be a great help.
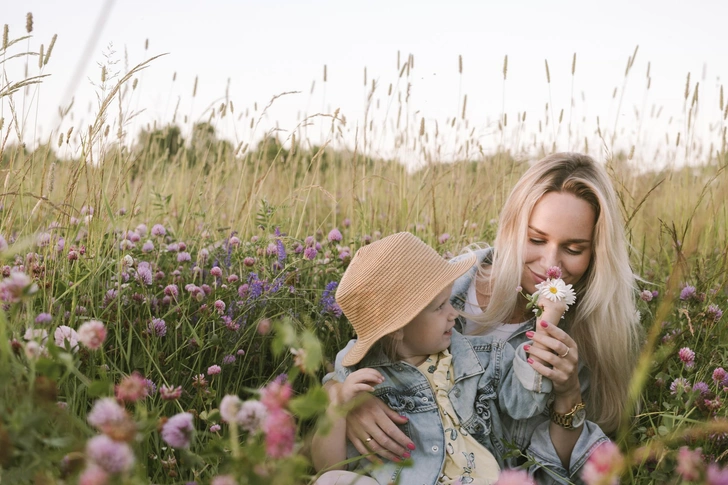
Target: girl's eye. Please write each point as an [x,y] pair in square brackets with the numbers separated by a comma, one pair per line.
[574,252]
[536,241]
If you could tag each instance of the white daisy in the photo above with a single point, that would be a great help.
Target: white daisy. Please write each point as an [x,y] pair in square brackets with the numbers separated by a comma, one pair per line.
[557,290]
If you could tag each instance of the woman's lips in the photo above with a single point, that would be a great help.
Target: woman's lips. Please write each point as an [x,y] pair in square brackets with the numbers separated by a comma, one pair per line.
[537,277]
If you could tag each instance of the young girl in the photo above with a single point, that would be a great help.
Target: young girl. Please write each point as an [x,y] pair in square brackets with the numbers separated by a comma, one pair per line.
[562,212]
[450,389]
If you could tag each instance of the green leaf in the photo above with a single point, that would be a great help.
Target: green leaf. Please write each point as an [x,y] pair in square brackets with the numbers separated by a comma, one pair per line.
[310,404]
[99,388]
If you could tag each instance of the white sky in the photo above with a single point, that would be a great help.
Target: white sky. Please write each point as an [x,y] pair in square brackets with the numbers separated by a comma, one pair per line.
[267,47]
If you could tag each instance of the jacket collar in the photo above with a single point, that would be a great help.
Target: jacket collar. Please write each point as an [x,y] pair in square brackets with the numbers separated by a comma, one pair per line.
[466,363]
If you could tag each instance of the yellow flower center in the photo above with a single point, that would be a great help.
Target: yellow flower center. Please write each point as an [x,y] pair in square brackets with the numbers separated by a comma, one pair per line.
[553,290]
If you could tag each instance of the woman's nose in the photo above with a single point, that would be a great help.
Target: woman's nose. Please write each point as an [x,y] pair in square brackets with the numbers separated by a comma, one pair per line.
[551,257]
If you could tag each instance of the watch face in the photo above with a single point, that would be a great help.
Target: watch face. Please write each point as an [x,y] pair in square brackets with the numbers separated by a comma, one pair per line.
[579,418]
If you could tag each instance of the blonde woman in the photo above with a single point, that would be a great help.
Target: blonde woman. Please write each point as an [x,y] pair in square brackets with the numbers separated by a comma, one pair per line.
[562,213]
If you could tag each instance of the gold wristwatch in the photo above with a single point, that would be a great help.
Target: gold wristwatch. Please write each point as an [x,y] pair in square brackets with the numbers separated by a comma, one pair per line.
[571,420]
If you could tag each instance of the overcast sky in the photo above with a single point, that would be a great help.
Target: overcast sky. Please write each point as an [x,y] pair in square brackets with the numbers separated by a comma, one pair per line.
[264,48]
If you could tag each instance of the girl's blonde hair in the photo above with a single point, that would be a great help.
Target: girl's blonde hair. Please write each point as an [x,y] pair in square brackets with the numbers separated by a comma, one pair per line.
[604,322]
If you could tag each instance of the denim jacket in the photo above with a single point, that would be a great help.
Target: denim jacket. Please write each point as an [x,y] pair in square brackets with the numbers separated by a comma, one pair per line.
[491,381]
[532,435]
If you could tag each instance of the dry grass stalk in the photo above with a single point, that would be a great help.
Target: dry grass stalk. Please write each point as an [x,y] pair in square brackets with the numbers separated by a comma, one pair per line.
[505,67]
[40,57]
[548,74]
[460,64]
[325,74]
[29,22]
[50,49]
[194,88]
[687,87]
[465,105]
[6,34]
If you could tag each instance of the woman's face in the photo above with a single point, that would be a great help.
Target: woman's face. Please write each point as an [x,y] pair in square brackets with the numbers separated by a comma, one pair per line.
[560,232]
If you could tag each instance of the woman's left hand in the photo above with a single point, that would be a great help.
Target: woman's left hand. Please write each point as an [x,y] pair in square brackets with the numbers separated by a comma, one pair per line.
[559,358]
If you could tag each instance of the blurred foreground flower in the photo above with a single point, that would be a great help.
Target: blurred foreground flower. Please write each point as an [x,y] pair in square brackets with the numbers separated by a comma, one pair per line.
[179,430]
[514,477]
[92,334]
[604,466]
[111,456]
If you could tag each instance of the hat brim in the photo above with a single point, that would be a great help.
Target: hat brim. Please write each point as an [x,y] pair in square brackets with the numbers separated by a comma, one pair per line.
[362,346]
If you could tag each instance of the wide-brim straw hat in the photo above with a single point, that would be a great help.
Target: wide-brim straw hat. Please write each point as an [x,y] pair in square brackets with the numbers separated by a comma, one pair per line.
[388,283]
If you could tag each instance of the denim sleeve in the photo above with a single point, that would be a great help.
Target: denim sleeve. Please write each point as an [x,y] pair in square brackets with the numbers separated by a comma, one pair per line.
[549,469]
[522,392]
[340,371]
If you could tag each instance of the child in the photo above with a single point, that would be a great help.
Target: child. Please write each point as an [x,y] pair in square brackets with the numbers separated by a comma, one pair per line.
[396,294]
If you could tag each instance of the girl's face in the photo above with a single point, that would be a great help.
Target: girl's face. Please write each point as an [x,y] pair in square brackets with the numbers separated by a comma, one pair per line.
[560,232]
[430,331]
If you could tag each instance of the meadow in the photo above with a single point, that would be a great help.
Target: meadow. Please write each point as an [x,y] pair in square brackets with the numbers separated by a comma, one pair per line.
[168,308]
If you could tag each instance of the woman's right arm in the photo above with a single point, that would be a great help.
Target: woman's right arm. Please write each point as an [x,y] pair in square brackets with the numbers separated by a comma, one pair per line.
[372,419]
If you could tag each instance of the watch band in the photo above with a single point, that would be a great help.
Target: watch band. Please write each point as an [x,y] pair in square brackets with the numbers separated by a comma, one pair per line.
[567,420]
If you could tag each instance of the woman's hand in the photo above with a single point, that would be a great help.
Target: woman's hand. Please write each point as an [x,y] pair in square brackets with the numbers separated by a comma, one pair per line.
[356,383]
[556,356]
[374,419]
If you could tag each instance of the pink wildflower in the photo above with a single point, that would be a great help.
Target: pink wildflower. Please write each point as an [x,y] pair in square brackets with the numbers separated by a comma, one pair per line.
[249,261]
[171,291]
[224,480]
[719,374]
[158,230]
[148,247]
[444,237]
[183,256]
[310,253]
[179,430]
[65,333]
[3,244]
[43,318]
[213,370]
[716,475]
[92,334]
[234,241]
[220,306]
[689,463]
[603,466]
[216,271]
[687,356]
[646,295]
[514,477]
[132,388]
[276,394]
[334,236]
[106,413]
[229,407]
[16,286]
[215,428]
[554,272]
[112,456]
[170,393]
[93,475]
[280,434]
[264,326]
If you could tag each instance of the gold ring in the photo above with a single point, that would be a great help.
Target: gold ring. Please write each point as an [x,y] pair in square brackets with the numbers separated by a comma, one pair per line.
[368,439]
[565,353]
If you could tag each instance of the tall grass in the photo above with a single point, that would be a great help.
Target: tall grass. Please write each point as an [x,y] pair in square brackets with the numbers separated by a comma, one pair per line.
[93,186]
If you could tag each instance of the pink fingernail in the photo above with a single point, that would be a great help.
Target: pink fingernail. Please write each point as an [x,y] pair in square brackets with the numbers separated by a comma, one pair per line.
[526,348]
[544,324]
[406,454]
[529,334]
[411,446]
[529,360]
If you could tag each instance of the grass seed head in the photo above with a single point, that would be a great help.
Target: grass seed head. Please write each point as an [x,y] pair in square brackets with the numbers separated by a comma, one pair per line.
[29,22]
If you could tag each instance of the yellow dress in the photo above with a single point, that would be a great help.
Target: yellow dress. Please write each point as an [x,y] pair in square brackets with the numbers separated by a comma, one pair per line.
[466,460]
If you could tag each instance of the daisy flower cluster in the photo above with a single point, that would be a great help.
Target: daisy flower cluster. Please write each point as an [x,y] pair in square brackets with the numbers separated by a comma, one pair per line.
[554,289]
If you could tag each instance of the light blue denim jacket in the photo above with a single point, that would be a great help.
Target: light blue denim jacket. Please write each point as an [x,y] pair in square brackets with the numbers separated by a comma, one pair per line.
[491,381]
[532,435]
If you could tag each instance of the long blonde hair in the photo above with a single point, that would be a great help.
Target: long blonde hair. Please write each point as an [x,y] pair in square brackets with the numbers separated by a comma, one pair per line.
[604,322]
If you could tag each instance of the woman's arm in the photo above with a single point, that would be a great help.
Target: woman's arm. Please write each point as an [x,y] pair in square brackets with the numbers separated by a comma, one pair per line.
[329,441]
[558,359]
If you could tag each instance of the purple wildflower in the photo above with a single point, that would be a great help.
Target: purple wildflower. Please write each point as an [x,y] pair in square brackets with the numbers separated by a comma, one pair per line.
[144,273]
[679,385]
[183,257]
[215,428]
[158,230]
[106,412]
[3,244]
[310,253]
[249,261]
[179,430]
[714,312]
[151,387]
[213,370]
[281,251]
[328,302]
[309,241]
[171,290]
[444,237]
[216,271]
[43,318]
[111,456]
[228,359]
[334,236]
[148,247]
[688,292]
[701,387]
[157,327]
[719,374]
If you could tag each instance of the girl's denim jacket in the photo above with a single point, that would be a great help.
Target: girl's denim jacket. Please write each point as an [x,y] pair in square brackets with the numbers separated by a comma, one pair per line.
[532,435]
[490,382]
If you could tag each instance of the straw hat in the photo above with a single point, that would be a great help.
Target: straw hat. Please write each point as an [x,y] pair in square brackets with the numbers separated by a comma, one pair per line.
[388,283]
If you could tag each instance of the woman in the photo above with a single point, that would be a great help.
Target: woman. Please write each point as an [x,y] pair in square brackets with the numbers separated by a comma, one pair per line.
[562,212]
